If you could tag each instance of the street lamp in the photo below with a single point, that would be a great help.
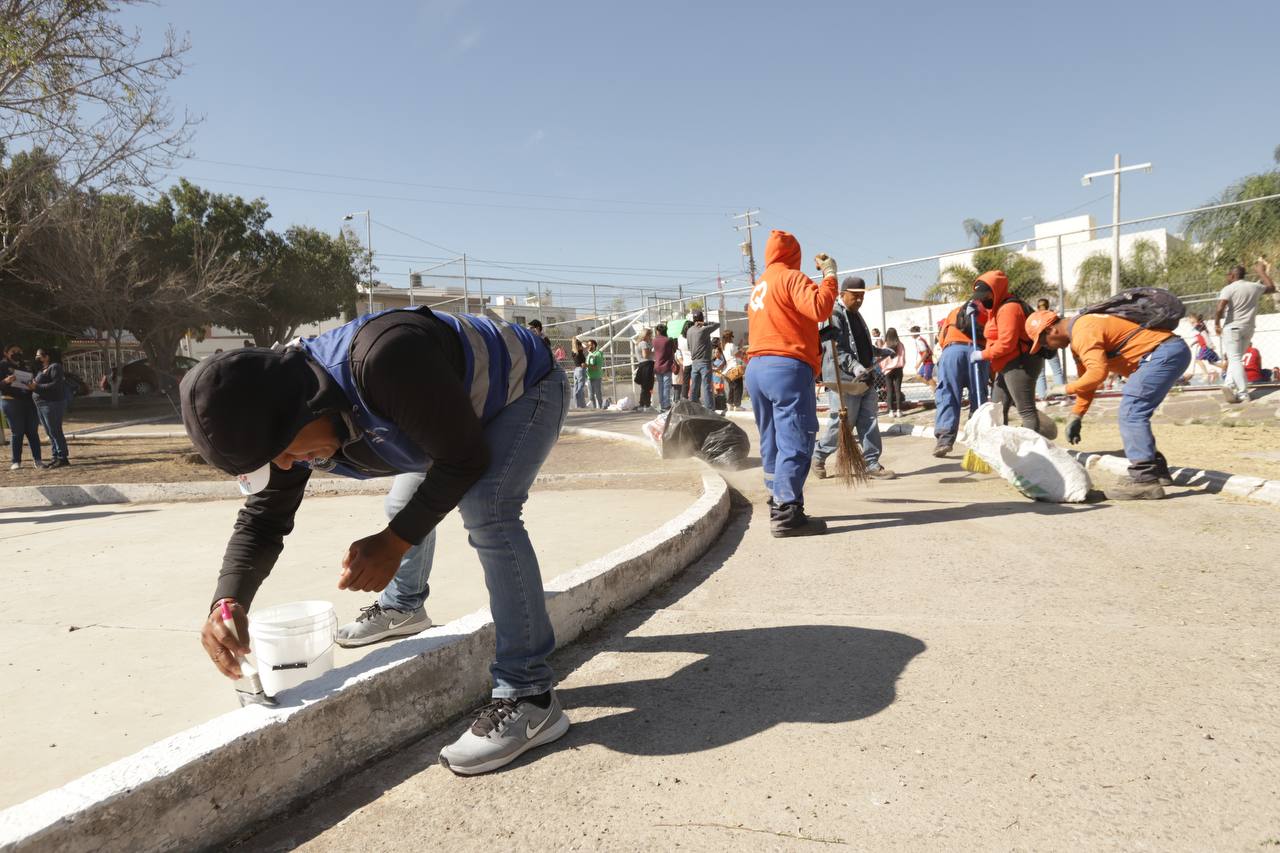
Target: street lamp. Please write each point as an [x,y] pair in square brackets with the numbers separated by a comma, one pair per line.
[1115,213]
[368,222]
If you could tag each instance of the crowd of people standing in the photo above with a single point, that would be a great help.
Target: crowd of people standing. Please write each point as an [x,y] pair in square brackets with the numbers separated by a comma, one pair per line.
[34,396]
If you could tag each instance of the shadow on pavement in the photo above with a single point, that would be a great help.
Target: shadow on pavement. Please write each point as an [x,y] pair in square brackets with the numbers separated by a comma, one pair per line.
[68,516]
[941,515]
[746,682]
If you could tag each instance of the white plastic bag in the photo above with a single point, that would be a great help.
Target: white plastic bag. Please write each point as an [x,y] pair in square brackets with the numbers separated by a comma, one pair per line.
[1034,465]
[626,404]
[654,429]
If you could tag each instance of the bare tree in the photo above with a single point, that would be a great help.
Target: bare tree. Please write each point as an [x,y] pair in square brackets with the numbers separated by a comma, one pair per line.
[81,92]
[88,274]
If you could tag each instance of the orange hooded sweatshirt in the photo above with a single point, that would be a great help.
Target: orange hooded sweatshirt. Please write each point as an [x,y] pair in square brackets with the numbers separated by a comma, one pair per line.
[786,306]
[951,333]
[1093,337]
[1006,327]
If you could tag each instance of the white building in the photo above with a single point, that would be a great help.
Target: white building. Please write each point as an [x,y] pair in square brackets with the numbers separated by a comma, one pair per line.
[1080,237]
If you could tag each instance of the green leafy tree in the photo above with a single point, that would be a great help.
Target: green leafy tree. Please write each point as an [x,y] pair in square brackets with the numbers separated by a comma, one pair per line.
[205,254]
[1185,270]
[1025,274]
[308,276]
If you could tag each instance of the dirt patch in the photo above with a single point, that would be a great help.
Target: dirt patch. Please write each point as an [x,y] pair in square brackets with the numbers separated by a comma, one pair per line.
[173,460]
[1253,449]
[84,416]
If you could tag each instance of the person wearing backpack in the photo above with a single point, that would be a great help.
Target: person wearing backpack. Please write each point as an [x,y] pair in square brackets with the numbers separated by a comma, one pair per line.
[1153,358]
[956,374]
[1008,350]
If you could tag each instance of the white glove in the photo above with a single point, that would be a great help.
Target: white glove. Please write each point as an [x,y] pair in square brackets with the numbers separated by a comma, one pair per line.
[826,265]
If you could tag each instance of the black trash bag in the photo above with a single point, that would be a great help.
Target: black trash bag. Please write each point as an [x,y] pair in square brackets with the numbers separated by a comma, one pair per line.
[727,447]
[693,431]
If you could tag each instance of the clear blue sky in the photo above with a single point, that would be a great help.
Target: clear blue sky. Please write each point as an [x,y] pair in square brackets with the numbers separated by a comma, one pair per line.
[870,132]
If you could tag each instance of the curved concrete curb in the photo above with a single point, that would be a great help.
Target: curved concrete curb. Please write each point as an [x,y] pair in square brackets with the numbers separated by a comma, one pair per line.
[610,435]
[1239,485]
[208,785]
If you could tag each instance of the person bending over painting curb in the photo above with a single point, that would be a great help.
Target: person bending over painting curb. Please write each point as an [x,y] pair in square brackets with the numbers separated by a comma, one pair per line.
[463,410]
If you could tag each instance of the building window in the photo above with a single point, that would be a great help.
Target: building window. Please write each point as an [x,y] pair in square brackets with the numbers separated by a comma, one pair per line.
[518,320]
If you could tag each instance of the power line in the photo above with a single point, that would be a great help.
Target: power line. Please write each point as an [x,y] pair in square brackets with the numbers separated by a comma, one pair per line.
[452,203]
[449,188]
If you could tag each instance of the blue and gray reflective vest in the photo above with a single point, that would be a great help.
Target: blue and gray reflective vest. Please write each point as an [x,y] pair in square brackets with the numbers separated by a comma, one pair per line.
[501,362]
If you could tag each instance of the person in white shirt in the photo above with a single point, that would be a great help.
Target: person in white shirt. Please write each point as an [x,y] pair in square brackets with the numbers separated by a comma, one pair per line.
[924,358]
[1234,323]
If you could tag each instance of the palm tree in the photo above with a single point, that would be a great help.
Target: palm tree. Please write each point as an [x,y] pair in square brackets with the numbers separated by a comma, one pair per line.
[1025,274]
[1185,270]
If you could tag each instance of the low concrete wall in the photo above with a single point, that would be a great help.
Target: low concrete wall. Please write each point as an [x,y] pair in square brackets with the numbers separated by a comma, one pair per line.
[206,786]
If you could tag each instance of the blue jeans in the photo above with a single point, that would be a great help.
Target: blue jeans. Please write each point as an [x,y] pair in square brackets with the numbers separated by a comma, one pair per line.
[701,383]
[954,375]
[1052,366]
[664,391]
[786,411]
[597,391]
[20,412]
[863,412]
[580,387]
[1143,393]
[519,439]
[51,419]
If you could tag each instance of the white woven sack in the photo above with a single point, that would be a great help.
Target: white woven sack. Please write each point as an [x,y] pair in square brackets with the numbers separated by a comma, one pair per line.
[1034,465]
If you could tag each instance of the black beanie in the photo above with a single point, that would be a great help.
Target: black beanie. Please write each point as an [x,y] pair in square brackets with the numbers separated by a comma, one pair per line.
[241,408]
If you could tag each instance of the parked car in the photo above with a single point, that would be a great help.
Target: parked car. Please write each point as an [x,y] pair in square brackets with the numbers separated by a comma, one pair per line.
[139,377]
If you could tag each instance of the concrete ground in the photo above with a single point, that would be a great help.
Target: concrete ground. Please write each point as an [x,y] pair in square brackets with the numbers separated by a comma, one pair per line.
[103,604]
[950,667]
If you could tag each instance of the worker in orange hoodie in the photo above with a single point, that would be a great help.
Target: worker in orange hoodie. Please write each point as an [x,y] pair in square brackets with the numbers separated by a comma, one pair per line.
[1153,359]
[783,316]
[1008,349]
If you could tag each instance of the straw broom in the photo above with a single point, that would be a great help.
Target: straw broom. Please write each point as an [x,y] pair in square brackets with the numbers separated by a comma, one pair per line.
[851,467]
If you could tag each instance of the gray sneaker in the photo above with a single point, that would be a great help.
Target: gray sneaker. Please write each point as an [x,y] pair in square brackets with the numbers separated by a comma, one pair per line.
[504,730]
[374,624]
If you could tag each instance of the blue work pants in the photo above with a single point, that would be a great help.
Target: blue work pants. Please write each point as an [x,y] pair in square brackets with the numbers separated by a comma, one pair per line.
[954,375]
[519,439]
[863,416]
[1143,393]
[785,407]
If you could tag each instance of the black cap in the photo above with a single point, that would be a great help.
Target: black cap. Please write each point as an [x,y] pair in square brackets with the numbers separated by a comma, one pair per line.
[242,408]
[853,282]
[698,316]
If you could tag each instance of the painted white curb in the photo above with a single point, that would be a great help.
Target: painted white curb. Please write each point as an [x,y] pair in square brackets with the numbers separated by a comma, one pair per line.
[53,497]
[208,785]
[1238,485]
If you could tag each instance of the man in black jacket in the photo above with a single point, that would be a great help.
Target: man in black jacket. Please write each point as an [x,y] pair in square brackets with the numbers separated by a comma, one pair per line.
[853,344]
[463,410]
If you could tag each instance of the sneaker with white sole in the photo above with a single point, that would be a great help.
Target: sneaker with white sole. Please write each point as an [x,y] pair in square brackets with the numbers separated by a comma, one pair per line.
[17,466]
[376,623]
[504,730]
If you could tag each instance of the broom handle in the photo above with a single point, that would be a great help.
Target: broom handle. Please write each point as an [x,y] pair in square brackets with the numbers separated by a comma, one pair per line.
[977,373]
[835,363]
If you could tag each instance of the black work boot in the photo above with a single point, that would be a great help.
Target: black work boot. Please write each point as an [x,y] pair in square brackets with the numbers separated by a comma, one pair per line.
[1163,475]
[1129,489]
[790,520]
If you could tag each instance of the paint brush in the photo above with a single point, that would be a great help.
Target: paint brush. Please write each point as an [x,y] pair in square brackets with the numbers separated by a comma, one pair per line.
[248,685]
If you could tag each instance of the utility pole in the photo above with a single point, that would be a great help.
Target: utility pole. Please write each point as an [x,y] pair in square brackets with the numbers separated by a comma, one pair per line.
[747,247]
[368,225]
[1115,172]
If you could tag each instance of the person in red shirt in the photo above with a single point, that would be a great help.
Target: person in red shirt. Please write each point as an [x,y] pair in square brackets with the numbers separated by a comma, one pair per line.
[1253,371]
[783,316]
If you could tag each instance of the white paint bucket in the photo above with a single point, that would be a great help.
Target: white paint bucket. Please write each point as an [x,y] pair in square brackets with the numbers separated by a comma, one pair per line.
[293,643]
